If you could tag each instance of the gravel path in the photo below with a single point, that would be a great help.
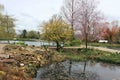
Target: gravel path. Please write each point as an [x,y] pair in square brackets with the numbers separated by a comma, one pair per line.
[106,49]
[99,48]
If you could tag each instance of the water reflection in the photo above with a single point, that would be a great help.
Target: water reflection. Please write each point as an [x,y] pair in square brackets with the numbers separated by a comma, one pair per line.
[56,71]
[66,71]
[85,75]
[70,67]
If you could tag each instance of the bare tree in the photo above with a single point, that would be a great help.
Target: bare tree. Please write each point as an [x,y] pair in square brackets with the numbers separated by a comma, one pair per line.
[88,17]
[83,16]
[69,10]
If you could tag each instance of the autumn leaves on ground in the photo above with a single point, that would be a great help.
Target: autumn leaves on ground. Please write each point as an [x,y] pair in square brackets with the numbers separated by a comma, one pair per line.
[21,62]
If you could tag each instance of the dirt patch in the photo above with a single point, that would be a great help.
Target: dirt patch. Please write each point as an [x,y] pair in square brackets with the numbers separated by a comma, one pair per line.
[1,47]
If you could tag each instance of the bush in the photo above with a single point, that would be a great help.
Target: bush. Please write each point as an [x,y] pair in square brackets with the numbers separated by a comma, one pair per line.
[67,44]
[73,43]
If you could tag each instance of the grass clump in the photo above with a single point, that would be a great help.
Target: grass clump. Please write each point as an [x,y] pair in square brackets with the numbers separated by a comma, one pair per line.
[21,43]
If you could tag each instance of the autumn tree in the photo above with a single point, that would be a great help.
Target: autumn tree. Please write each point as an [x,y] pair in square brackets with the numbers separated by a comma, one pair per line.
[56,30]
[110,31]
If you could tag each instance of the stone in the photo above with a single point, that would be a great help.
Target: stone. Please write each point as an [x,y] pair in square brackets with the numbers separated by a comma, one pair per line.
[6,56]
[21,64]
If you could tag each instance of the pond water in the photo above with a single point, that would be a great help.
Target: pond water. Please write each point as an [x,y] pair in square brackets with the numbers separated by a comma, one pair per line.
[29,43]
[69,70]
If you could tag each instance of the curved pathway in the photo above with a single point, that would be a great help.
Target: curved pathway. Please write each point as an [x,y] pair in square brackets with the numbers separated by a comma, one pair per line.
[99,48]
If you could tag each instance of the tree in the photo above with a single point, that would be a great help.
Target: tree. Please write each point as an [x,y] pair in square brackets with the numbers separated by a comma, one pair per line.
[7,30]
[1,7]
[24,34]
[33,35]
[83,17]
[88,17]
[56,30]
[7,27]
[69,10]
[118,36]
[110,31]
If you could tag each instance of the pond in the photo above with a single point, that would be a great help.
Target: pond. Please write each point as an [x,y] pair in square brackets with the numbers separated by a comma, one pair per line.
[70,70]
[29,43]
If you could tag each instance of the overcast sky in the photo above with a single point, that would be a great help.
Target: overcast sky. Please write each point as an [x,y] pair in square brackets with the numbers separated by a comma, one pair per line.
[111,8]
[30,13]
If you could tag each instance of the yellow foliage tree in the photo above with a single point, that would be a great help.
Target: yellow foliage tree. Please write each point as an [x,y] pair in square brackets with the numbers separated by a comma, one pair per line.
[7,25]
[56,30]
[7,30]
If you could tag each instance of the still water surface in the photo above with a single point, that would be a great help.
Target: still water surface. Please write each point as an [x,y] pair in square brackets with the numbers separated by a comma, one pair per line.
[75,71]
[29,43]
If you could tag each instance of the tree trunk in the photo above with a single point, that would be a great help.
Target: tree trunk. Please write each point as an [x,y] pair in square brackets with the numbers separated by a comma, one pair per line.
[8,30]
[70,67]
[86,41]
[58,46]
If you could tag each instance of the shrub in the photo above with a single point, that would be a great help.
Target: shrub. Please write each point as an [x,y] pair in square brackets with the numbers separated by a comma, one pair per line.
[20,43]
[73,43]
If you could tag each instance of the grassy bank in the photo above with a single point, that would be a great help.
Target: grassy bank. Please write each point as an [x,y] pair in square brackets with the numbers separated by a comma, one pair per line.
[79,42]
[91,54]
